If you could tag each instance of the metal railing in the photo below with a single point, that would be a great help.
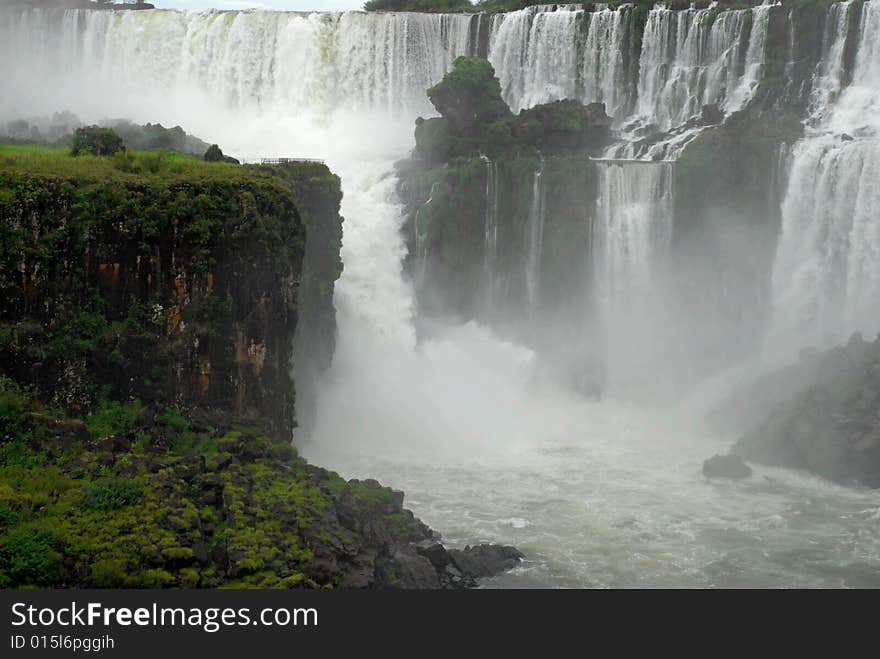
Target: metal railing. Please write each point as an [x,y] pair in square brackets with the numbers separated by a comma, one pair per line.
[284,161]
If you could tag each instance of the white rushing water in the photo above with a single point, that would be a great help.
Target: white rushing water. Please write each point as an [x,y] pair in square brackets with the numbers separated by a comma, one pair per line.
[536,240]
[826,278]
[631,249]
[490,236]
[596,494]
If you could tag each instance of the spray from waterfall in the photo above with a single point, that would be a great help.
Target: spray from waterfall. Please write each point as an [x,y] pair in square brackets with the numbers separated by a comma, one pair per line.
[490,236]
[536,242]
[634,233]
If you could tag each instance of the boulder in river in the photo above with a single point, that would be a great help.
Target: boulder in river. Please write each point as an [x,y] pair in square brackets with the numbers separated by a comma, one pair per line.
[726,466]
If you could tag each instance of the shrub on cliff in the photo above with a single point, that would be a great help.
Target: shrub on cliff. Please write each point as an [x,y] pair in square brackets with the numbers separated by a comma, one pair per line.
[111,493]
[476,120]
[96,141]
[469,95]
[563,125]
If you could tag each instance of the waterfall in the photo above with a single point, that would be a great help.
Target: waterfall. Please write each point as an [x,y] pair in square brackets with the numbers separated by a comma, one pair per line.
[633,237]
[826,276]
[829,77]
[490,233]
[422,229]
[604,74]
[542,56]
[693,58]
[741,91]
[312,64]
[305,63]
[536,241]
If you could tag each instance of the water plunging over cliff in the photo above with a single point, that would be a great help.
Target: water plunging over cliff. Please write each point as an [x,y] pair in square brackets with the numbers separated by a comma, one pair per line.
[490,233]
[536,242]
[826,278]
[630,251]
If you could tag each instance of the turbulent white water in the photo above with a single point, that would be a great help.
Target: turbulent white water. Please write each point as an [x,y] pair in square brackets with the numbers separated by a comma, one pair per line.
[596,494]
[631,248]
[826,278]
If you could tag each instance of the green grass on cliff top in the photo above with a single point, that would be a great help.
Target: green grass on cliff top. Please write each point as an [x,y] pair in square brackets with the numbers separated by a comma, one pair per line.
[54,161]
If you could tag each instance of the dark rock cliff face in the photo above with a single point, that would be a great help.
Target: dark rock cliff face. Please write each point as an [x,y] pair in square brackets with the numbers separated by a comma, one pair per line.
[830,425]
[180,289]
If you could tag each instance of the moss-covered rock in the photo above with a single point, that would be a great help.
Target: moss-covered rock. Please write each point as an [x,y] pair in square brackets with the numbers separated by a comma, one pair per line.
[179,507]
[475,120]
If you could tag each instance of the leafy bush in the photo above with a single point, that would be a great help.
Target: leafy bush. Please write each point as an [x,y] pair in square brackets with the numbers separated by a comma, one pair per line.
[213,154]
[111,493]
[8,517]
[175,421]
[112,418]
[28,558]
[96,141]
[13,410]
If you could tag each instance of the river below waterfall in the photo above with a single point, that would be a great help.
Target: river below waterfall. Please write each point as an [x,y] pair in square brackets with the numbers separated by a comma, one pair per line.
[608,495]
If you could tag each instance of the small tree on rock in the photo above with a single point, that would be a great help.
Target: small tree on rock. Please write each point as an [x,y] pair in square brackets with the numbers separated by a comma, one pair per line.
[96,141]
[213,154]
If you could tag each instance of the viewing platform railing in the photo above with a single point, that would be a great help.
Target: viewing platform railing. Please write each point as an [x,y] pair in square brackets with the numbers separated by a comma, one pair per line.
[284,161]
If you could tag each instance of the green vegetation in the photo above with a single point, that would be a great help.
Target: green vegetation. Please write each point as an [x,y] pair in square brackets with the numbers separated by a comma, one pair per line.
[95,141]
[59,131]
[111,493]
[112,417]
[239,508]
[475,120]
[54,161]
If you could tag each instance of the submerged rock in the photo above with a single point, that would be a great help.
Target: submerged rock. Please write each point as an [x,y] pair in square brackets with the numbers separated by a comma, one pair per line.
[726,466]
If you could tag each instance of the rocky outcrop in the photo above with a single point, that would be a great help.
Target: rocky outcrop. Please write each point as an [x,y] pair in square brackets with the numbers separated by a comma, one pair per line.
[139,282]
[204,500]
[831,428]
[476,121]
[563,126]
[485,560]
[726,466]
[755,398]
